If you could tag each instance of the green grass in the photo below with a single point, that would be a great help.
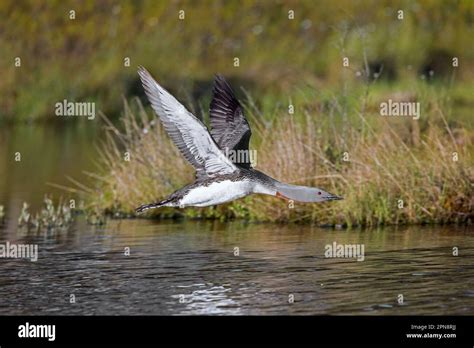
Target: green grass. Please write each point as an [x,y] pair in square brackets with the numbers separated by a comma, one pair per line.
[400,171]
[282,61]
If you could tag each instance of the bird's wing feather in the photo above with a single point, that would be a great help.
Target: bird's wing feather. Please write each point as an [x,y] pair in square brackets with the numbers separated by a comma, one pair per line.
[187,132]
[229,127]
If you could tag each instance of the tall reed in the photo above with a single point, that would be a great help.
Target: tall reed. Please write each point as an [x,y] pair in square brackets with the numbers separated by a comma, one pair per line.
[384,175]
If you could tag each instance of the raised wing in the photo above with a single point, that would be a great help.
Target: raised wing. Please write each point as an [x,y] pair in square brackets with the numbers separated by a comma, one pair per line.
[187,132]
[229,127]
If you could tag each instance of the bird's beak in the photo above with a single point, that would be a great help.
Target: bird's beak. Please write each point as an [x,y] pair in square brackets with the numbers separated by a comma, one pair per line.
[334,198]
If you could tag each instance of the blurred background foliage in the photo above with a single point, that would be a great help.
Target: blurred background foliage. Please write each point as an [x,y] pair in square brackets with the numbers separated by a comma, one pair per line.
[82,59]
[282,62]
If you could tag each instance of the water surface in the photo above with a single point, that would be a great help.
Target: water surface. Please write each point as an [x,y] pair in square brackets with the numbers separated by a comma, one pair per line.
[49,153]
[191,267]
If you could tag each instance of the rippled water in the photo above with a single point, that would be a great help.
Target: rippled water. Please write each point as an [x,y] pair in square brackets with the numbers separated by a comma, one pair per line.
[191,268]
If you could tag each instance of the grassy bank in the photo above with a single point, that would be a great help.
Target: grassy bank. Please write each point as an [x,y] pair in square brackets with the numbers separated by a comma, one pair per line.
[389,170]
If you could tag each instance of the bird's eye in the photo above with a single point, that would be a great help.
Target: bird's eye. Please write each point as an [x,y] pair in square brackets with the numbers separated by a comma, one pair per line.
[319,192]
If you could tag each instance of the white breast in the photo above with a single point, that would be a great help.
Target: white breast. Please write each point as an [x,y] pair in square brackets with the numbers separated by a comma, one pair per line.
[216,193]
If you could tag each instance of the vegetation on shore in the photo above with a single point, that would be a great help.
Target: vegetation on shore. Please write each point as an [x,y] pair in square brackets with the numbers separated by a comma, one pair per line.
[52,216]
[389,170]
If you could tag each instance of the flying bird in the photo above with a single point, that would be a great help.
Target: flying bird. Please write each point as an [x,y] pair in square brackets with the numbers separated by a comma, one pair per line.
[218,178]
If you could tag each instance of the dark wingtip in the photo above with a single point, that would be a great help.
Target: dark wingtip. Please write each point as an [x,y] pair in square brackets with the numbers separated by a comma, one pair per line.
[219,82]
[219,76]
[222,88]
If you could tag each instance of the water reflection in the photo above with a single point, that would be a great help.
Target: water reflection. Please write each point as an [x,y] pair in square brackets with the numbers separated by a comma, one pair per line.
[191,267]
[48,154]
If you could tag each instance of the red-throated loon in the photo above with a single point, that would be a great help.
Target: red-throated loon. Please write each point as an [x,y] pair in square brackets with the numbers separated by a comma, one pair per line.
[218,178]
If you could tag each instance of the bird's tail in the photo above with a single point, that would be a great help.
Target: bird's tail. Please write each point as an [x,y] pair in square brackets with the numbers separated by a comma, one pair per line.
[145,207]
